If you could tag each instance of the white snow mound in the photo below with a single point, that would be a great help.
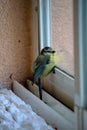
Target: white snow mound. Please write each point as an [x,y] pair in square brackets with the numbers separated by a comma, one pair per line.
[15,114]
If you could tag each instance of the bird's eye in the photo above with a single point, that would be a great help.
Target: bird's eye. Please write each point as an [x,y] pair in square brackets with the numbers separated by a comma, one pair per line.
[53,51]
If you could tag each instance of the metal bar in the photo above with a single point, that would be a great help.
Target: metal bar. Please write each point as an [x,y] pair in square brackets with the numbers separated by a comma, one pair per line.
[44,23]
[80,44]
[80,52]
[83,51]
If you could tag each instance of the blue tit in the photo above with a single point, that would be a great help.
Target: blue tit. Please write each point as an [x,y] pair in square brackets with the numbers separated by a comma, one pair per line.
[43,65]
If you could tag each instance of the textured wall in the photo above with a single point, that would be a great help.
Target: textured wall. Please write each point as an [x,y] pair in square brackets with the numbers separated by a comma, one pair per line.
[15,39]
[62,33]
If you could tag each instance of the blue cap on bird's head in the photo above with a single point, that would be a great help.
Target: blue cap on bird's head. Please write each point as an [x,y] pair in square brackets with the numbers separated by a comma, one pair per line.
[47,50]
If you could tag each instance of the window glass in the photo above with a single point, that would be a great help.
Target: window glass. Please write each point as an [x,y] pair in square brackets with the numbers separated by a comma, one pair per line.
[62,33]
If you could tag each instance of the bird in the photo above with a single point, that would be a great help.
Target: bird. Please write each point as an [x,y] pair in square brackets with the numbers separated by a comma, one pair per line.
[43,65]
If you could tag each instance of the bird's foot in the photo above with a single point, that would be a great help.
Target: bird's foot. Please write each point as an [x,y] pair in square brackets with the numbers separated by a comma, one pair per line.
[53,70]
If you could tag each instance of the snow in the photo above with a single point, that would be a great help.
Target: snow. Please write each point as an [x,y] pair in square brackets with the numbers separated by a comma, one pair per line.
[15,114]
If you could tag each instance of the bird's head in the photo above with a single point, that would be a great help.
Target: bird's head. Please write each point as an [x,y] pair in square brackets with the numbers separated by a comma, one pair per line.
[47,50]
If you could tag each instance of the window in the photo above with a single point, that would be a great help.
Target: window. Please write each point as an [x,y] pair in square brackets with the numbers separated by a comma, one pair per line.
[60,85]
[62,33]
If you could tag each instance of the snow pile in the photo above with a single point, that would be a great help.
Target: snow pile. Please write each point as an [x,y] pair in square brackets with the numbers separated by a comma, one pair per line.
[16,115]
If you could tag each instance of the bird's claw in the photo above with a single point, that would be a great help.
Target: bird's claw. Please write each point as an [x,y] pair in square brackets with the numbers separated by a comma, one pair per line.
[53,70]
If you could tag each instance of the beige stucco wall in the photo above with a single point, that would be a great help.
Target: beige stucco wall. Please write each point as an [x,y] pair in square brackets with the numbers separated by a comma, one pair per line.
[16,38]
[62,33]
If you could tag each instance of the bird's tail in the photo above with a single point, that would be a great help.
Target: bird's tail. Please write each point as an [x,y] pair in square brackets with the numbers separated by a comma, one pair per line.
[40,88]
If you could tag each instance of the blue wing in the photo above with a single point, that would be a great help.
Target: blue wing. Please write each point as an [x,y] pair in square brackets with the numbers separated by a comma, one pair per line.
[39,66]
[38,72]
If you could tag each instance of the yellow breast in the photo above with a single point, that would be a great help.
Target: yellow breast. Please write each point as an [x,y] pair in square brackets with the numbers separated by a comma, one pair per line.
[49,66]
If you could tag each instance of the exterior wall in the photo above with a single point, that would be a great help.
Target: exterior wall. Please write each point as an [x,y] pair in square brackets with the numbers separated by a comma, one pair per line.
[62,33]
[16,40]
